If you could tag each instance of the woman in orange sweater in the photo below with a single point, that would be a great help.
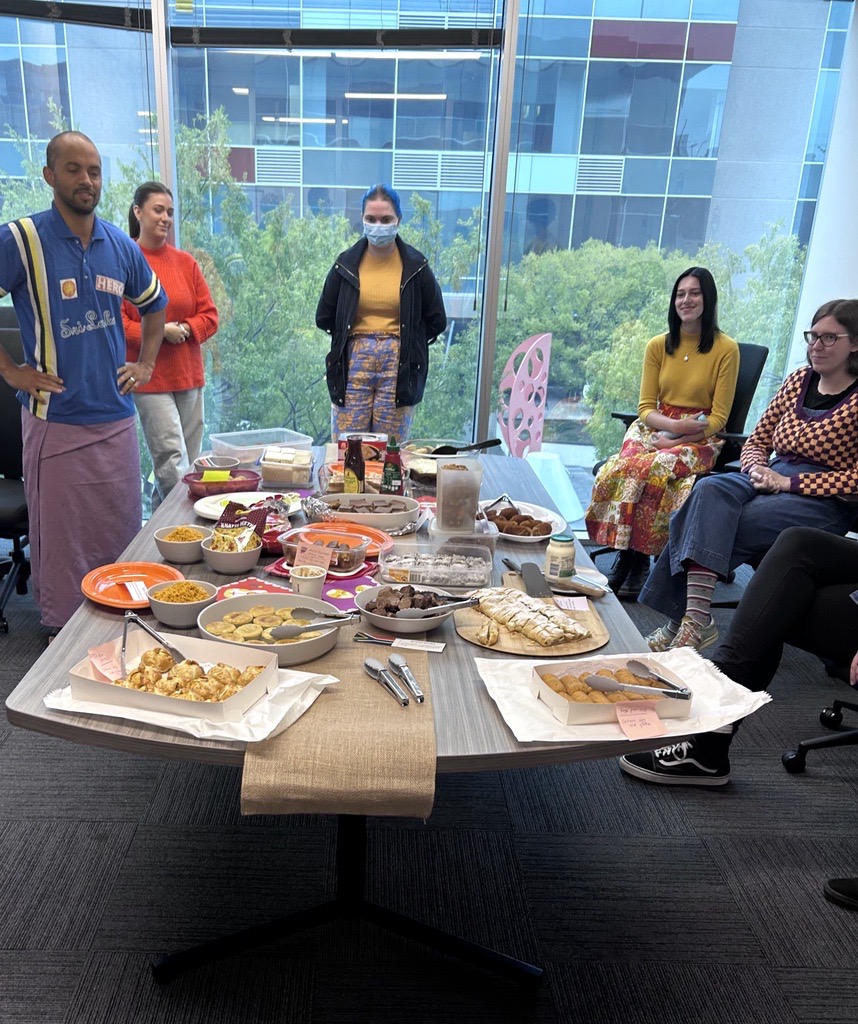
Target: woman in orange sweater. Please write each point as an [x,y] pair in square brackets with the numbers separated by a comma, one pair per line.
[171,404]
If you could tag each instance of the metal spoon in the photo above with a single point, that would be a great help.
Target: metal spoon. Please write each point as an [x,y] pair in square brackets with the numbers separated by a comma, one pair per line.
[286,632]
[441,609]
[456,449]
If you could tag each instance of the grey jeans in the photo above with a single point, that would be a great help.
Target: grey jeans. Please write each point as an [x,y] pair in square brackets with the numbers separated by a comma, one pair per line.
[726,522]
[172,424]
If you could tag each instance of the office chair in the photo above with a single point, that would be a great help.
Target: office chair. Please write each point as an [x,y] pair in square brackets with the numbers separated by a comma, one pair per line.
[831,718]
[14,522]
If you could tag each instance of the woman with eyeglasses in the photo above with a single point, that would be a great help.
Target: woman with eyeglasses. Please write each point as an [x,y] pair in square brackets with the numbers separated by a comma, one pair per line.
[383,308]
[799,462]
[687,388]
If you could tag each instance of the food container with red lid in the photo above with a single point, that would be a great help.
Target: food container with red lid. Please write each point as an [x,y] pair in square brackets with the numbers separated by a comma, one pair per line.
[348,549]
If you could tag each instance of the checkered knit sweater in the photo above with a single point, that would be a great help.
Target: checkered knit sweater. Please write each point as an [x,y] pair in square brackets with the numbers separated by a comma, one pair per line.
[829,438]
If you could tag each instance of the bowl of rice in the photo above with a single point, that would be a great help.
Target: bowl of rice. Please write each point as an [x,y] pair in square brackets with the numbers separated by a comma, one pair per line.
[182,544]
[179,603]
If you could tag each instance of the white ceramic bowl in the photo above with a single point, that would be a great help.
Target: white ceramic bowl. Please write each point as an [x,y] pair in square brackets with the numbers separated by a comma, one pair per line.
[180,615]
[380,520]
[294,653]
[390,624]
[230,563]
[181,552]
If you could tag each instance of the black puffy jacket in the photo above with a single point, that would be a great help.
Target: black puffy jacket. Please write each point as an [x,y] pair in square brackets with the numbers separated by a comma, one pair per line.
[421,319]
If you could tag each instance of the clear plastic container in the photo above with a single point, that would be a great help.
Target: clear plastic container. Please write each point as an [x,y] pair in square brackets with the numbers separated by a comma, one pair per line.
[448,564]
[484,535]
[459,482]
[285,464]
[248,445]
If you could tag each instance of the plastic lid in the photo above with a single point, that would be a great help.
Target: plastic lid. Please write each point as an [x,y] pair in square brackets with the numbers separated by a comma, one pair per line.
[563,538]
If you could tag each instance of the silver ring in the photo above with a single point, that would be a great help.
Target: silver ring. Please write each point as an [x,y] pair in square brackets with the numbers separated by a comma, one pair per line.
[132,378]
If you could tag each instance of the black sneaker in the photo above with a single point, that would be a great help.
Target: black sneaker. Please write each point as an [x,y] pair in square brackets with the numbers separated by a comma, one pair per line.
[690,763]
[637,576]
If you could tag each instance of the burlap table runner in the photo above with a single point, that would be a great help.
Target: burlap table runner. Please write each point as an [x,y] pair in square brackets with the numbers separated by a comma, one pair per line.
[355,751]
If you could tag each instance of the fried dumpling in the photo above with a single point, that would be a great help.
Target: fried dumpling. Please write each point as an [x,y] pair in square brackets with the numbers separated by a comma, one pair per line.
[187,670]
[157,658]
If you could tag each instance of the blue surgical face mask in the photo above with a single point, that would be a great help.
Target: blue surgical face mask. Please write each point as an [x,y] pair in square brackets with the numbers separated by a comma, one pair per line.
[380,234]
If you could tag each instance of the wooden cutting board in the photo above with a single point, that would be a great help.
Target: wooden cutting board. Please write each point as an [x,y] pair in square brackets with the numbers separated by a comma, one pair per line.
[469,622]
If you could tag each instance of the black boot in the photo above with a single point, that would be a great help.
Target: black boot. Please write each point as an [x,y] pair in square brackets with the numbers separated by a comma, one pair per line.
[621,568]
[636,576]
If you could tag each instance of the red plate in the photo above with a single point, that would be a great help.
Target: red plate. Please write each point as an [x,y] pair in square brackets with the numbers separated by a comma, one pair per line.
[106,584]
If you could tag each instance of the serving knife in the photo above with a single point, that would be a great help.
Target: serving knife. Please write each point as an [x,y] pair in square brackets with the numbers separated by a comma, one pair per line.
[534,580]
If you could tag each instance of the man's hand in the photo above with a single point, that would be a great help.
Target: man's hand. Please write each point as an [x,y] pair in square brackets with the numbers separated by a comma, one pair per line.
[34,382]
[853,672]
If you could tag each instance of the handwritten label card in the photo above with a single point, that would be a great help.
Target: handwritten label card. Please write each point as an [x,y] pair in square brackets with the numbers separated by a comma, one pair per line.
[313,554]
[418,645]
[639,720]
[571,604]
[137,590]
[104,661]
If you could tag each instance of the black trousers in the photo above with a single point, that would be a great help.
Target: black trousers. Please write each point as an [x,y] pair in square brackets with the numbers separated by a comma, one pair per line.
[799,595]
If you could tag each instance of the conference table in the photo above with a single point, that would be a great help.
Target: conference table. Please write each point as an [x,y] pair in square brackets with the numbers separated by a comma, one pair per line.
[471,734]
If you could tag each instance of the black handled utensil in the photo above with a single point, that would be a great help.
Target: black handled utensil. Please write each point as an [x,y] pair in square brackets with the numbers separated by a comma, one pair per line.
[457,449]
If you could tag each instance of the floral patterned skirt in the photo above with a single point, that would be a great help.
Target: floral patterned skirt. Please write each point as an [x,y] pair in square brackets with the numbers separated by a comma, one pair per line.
[637,489]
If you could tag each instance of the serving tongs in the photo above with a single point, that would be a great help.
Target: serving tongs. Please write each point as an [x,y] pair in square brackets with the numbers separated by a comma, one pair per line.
[287,632]
[173,651]
[638,668]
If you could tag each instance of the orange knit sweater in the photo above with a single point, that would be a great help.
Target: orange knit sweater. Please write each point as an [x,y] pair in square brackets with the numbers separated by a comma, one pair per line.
[178,367]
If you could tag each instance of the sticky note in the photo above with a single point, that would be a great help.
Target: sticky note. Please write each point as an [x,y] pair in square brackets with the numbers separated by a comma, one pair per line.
[211,476]
[639,719]
[104,662]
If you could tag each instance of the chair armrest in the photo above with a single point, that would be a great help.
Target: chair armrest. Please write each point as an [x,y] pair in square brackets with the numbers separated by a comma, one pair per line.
[738,439]
[627,418]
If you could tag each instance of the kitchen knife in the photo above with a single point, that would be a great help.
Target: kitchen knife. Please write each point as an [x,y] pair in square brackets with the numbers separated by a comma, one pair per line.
[534,580]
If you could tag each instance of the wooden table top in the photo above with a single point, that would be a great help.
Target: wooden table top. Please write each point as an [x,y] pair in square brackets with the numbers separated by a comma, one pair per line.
[471,734]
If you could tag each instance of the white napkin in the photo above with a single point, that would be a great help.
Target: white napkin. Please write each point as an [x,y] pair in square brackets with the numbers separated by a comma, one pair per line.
[716,700]
[270,715]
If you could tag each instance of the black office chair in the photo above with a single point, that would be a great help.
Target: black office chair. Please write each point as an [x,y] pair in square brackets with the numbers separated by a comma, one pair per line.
[14,522]
[752,359]
[831,718]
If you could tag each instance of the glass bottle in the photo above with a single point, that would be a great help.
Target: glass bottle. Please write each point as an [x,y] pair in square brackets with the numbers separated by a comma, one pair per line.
[354,470]
[391,473]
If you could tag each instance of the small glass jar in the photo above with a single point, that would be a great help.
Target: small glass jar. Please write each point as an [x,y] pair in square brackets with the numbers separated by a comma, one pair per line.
[560,557]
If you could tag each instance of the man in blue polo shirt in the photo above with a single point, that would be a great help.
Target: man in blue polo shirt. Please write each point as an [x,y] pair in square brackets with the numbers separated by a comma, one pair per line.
[67,272]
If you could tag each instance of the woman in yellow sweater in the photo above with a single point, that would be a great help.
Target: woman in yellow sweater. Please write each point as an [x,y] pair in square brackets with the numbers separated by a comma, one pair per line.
[687,388]
[171,404]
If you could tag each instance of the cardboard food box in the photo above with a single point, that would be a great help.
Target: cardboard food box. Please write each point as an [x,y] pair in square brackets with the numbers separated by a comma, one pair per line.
[88,684]
[570,712]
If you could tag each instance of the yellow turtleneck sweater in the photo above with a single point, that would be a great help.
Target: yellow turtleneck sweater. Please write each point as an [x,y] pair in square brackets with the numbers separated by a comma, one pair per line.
[689,379]
[378,302]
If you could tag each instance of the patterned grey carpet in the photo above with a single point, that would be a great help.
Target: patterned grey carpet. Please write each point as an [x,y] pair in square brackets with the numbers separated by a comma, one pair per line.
[645,905]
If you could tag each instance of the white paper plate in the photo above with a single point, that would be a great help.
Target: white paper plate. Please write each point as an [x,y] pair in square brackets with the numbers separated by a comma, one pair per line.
[212,507]
[558,523]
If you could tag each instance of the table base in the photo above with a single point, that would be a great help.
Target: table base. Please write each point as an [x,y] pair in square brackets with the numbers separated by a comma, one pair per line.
[349,902]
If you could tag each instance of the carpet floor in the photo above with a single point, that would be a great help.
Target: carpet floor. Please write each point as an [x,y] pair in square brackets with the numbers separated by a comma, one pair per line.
[645,905]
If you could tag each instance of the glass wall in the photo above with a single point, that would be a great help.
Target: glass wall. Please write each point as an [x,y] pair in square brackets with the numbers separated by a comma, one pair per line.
[645,136]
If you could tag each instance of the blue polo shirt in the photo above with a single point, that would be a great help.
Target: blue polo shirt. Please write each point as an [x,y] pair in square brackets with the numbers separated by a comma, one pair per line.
[68,300]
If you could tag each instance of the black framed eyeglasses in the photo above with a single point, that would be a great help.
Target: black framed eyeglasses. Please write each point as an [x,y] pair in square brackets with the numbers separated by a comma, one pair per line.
[811,337]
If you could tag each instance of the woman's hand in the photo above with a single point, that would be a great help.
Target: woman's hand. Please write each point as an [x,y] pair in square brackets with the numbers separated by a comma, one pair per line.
[688,425]
[175,333]
[853,672]
[767,481]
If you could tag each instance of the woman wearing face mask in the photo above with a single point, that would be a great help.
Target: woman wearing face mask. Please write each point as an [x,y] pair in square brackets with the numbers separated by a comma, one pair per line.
[383,308]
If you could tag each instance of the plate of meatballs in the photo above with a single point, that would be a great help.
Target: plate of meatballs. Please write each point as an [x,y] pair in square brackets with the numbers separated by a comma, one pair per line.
[523,522]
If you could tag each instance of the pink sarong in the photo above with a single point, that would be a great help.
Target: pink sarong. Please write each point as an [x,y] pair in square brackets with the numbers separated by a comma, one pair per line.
[83,496]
